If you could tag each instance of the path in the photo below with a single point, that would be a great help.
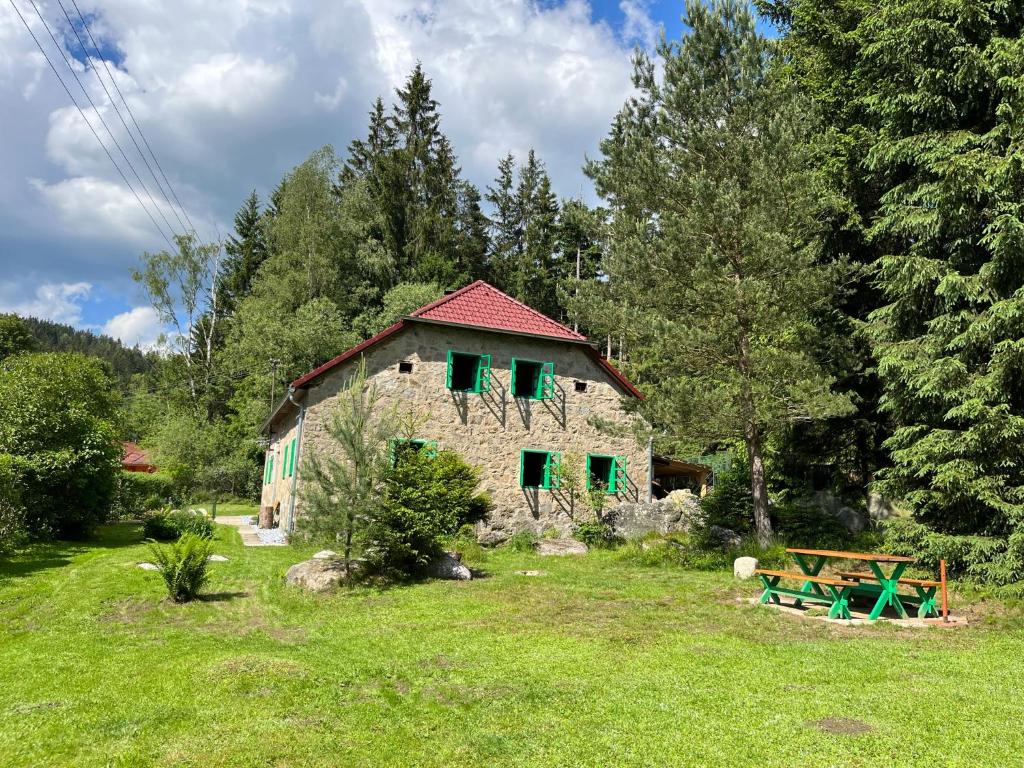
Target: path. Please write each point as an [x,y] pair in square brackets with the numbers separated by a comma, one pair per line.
[249,536]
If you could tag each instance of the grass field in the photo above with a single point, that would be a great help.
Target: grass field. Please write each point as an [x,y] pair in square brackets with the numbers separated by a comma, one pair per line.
[595,663]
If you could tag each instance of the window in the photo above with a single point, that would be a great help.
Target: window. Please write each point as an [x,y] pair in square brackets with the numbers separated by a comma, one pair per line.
[468,373]
[581,386]
[539,469]
[268,470]
[291,457]
[397,447]
[606,473]
[533,380]
[405,366]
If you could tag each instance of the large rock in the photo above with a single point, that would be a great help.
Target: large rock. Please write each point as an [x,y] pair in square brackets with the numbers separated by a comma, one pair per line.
[676,513]
[548,547]
[325,554]
[723,538]
[854,520]
[744,567]
[317,575]
[449,566]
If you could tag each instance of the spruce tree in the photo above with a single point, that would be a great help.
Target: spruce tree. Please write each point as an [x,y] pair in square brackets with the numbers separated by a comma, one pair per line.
[246,250]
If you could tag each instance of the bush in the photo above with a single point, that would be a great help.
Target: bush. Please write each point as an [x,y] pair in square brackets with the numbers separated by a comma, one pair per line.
[597,535]
[427,499]
[139,492]
[804,525]
[730,505]
[12,513]
[183,566]
[524,541]
[167,526]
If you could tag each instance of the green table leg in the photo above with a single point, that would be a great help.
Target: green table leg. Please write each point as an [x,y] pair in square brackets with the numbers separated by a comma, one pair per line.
[928,602]
[809,569]
[888,595]
[769,584]
[840,603]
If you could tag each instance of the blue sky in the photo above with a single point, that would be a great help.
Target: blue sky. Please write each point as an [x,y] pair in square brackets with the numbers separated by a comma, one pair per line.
[233,94]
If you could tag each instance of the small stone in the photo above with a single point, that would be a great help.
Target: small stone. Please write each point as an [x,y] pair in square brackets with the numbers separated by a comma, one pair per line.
[217,559]
[325,554]
[744,567]
[449,566]
[561,547]
[531,573]
[149,566]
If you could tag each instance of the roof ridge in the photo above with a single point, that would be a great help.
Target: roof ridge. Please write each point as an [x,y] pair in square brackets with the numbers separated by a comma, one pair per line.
[448,297]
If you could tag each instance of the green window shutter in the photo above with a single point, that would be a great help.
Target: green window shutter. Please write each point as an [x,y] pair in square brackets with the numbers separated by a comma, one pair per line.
[266,466]
[590,480]
[512,387]
[553,470]
[284,462]
[270,470]
[291,459]
[448,379]
[430,446]
[522,467]
[617,482]
[483,374]
[546,382]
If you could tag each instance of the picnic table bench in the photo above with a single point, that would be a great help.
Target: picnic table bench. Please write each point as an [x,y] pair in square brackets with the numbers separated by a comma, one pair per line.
[837,592]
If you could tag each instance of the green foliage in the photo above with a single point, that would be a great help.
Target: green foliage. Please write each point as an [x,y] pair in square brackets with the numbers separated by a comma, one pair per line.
[523,541]
[730,505]
[712,189]
[13,531]
[15,336]
[165,525]
[56,416]
[690,552]
[596,535]
[805,525]
[183,566]
[427,499]
[398,302]
[139,492]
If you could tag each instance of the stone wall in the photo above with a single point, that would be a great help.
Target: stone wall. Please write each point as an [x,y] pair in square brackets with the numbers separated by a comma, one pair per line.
[489,430]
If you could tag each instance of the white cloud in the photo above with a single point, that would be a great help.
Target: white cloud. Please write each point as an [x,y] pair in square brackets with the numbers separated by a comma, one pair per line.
[139,326]
[59,302]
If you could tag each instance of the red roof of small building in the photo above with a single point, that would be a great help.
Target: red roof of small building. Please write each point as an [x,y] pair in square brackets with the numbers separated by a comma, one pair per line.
[480,305]
[136,459]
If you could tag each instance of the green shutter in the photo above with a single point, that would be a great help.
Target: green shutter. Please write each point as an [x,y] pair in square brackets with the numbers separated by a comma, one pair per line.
[430,446]
[553,470]
[284,462]
[522,467]
[590,479]
[617,482]
[512,388]
[270,470]
[448,378]
[291,458]
[483,374]
[546,382]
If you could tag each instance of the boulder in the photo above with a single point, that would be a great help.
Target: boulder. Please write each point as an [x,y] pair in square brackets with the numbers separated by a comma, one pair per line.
[325,554]
[744,567]
[560,547]
[723,538]
[317,575]
[217,559]
[149,566]
[449,566]
[676,513]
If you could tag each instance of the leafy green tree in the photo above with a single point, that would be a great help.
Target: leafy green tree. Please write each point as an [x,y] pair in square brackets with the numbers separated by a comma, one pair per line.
[398,302]
[926,145]
[713,262]
[15,336]
[57,414]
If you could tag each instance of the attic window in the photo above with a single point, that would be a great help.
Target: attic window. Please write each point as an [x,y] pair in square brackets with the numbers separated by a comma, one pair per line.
[405,366]
[581,386]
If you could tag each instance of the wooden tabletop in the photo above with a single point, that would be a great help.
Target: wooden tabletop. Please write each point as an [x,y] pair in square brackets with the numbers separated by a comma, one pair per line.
[866,556]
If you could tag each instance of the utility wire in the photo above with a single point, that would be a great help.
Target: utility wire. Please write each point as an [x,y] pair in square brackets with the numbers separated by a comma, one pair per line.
[135,122]
[90,126]
[99,115]
[117,111]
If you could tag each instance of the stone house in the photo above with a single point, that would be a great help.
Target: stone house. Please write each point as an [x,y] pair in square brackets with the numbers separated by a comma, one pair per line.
[522,397]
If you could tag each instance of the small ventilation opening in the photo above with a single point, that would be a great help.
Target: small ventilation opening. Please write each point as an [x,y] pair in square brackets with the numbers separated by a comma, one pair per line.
[533,468]
[527,378]
[464,371]
[405,366]
[581,386]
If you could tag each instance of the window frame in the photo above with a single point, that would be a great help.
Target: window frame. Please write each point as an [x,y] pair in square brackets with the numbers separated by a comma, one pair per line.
[617,464]
[552,474]
[482,377]
[430,446]
[544,389]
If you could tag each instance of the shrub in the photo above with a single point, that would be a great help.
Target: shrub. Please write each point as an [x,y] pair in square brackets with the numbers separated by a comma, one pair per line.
[524,541]
[139,492]
[597,535]
[167,526]
[183,566]
[689,552]
[12,512]
[804,525]
[730,505]
[427,499]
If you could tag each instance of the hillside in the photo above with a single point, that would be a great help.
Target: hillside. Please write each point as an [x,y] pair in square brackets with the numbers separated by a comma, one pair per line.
[57,337]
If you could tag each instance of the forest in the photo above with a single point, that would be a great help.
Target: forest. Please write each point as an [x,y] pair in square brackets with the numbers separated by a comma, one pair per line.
[807,249]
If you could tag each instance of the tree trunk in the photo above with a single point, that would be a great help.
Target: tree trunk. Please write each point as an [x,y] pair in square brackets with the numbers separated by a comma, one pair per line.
[758,487]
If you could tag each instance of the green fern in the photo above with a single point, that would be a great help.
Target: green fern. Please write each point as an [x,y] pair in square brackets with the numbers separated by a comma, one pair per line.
[183,566]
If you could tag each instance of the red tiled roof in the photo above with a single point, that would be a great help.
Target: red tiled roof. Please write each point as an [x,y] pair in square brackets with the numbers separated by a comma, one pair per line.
[481,305]
[135,457]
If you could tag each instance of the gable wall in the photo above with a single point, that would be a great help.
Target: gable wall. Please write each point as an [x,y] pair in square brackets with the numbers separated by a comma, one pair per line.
[489,430]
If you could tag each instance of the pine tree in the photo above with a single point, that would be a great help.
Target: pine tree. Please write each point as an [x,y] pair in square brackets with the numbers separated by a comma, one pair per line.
[246,251]
[712,259]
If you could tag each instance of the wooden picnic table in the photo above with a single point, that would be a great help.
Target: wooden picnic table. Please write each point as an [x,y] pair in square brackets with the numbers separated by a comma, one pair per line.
[811,561]
[837,592]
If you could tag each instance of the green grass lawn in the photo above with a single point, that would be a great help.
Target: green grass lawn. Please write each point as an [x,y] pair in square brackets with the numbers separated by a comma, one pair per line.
[596,663]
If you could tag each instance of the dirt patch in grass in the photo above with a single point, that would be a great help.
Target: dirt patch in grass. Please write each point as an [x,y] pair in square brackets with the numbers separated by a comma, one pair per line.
[843,726]
[28,708]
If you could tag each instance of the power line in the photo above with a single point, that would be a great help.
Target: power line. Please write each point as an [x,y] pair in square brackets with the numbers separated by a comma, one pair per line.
[99,115]
[90,126]
[135,122]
